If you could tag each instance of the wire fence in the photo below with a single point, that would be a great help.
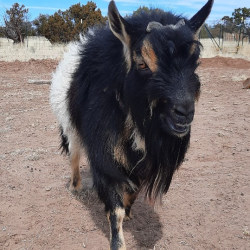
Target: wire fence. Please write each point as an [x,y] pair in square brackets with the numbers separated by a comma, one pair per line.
[36,47]
[227,31]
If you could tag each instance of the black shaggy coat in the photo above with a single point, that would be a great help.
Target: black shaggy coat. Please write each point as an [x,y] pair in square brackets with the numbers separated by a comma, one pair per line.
[100,118]
[131,103]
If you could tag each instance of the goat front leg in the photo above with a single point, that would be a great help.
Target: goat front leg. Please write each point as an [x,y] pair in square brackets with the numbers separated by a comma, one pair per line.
[111,195]
[115,218]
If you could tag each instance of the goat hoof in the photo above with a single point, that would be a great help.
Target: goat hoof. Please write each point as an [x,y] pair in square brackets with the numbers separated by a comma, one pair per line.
[76,189]
[128,217]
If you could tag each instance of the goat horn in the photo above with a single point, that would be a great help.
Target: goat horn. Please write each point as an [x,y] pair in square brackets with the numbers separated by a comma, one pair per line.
[156,25]
[153,25]
[178,25]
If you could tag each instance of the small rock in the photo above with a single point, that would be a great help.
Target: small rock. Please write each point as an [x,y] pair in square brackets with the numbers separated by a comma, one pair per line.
[220,134]
[47,188]
[246,232]
[246,83]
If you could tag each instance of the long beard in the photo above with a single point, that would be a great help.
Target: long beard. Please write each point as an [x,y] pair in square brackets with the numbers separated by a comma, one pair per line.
[164,154]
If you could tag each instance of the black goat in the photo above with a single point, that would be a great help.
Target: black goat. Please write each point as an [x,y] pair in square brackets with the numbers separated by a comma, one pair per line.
[126,94]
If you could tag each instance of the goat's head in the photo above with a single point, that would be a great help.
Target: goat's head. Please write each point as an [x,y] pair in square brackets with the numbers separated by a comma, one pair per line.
[161,61]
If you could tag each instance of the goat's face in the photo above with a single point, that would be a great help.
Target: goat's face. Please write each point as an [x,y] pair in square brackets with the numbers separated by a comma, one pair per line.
[163,68]
[161,81]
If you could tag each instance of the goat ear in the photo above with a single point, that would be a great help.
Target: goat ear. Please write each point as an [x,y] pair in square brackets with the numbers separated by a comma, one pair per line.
[118,25]
[200,17]
[121,29]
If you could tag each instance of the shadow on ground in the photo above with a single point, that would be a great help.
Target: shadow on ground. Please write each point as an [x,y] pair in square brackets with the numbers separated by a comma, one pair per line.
[145,226]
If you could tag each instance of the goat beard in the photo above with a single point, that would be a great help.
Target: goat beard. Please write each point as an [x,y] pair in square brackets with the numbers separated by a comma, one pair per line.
[164,154]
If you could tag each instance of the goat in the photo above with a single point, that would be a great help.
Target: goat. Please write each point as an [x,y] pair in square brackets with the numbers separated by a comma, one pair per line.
[126,94]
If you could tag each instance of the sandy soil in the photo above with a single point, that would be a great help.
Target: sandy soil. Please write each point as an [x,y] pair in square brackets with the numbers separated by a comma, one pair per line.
[208,204]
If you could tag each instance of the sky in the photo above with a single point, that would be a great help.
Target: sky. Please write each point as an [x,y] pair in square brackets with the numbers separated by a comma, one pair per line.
[186,7]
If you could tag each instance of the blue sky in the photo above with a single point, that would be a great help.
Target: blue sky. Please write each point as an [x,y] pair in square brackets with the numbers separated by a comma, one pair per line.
[187,7]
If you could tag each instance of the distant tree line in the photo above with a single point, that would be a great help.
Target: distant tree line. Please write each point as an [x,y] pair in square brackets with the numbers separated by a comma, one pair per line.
[61,27]
[65,26]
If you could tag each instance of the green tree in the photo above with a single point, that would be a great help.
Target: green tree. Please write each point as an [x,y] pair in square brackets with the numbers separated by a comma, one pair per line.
[203,33]
[2,31]
[65,26]
[228,24]
[240,15]
[141,9]
[247,29]
[15,21]
[40,24]
[144,9]
[57,29]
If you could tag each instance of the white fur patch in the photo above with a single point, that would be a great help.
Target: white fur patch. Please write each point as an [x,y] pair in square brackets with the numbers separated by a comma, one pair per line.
[138,140]
[152,106]
[60,85]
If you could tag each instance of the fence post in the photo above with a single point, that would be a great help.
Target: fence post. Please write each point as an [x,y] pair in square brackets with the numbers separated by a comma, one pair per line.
[243,30]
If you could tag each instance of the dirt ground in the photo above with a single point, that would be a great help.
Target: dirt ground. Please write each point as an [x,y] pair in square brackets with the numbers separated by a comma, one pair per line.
[206,208]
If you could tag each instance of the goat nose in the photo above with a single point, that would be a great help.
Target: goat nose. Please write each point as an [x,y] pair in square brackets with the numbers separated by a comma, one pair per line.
[184,112]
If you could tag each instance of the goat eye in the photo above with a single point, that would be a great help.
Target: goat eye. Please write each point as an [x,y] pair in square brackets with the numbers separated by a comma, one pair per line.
[143,65]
